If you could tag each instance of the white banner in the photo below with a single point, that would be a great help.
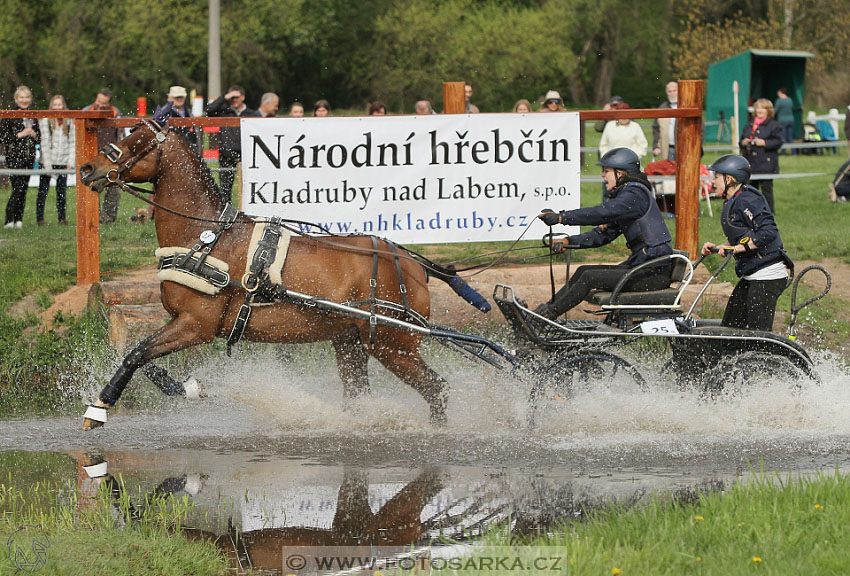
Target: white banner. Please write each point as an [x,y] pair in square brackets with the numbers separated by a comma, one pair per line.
[414,179]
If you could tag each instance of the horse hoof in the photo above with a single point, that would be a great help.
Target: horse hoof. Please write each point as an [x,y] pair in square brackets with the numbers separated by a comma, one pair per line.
[95,417]
[89,424]
[194,389]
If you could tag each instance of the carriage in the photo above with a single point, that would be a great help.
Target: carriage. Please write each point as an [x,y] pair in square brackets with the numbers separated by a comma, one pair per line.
[227,275]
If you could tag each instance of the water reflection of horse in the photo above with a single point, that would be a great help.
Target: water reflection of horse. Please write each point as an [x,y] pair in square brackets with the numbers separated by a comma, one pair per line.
[341,270]
[398,522]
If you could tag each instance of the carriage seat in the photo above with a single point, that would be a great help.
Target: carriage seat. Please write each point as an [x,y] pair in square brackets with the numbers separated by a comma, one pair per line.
[669,299]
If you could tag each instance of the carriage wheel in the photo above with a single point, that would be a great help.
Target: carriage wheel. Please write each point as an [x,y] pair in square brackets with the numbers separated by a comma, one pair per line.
[735,373]
[585,369]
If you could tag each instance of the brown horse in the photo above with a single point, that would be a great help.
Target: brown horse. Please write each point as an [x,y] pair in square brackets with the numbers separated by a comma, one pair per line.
[338,270]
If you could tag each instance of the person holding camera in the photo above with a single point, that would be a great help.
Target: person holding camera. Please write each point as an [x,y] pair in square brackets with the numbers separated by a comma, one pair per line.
[231,105]
[760,144]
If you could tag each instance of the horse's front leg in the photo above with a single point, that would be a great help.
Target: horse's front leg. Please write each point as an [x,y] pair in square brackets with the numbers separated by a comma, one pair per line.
[181,332]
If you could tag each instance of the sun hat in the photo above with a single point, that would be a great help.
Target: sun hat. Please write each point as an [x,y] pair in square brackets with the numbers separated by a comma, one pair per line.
[552,95]
[176,92]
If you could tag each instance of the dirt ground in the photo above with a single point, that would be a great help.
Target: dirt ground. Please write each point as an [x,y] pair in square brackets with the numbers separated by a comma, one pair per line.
[531,283]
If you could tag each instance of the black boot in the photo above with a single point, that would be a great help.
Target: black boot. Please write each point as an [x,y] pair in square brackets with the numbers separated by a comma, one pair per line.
[547,310]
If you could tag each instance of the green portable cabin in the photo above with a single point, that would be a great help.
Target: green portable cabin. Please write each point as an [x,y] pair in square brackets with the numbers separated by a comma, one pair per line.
[760,73]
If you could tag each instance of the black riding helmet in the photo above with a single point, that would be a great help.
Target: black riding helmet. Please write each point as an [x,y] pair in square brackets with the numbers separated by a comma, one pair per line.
[620,159]
[735,166]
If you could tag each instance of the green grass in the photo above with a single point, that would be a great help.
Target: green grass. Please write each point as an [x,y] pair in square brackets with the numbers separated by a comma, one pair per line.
[111,532]
[767,525]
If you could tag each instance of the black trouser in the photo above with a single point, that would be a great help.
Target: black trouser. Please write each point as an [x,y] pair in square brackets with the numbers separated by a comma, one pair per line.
[766,187]
[606,277]
[44,188]
[753,304]
[15,206]
[227,161]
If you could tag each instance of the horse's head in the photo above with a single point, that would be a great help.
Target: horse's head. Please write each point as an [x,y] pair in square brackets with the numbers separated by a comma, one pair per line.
[136,158]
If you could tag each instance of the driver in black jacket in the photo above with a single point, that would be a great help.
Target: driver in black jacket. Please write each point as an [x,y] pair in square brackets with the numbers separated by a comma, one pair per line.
[631,211]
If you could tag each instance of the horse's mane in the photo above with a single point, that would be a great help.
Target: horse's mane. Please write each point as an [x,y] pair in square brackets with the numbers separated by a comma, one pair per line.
[211,188]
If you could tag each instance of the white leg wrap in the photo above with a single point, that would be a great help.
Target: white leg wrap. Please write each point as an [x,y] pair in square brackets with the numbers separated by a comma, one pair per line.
[96,470]
[96,413]
[193,484]
[193,389]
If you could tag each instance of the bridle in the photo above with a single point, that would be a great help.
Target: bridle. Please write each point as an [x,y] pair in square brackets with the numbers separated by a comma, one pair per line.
[114,154]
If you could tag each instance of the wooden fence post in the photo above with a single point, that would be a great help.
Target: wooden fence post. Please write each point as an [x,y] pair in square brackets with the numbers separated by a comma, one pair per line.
[688,148]
[88,208]
[454,100]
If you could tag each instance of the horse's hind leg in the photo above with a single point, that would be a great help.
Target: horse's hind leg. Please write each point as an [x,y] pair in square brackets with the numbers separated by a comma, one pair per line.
[408,365]
[351,361]
[174,336]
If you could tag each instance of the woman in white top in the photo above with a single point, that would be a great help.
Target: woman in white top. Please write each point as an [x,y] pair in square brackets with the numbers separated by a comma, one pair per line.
[57,153]
[623,133]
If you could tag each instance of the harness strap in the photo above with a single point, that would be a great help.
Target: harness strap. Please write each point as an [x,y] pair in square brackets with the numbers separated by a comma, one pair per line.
[240,323]
[401,287]
[373,285]
[262,259]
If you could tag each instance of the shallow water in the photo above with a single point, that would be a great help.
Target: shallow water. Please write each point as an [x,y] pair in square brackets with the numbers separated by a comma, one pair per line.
[274,446]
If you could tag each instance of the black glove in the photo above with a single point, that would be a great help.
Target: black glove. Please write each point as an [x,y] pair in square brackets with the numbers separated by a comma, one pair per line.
[549,217]
[560,246]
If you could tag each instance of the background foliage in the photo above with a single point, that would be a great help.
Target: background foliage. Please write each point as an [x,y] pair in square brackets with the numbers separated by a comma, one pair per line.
[401,50]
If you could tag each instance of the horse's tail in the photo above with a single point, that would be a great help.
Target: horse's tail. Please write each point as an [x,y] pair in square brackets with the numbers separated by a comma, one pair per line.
[448,275]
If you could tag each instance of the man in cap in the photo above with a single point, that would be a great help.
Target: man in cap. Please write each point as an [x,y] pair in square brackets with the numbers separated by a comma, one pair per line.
[177,96]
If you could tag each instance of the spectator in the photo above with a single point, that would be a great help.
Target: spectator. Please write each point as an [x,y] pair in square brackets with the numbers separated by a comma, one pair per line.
[230,105]
[57,153]
[269,104]
[664,129]
[623,133]
[552,102]
[424,107]
[296,110]
[467,94]
[522,107]
[760,144]
[839,188]
[177,97]
[322,108]
[106,136]
[613,104]
[20,135]
[377,108]
[784,109]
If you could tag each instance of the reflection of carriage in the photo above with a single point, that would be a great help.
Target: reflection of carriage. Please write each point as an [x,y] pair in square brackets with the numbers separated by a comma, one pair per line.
[369,297]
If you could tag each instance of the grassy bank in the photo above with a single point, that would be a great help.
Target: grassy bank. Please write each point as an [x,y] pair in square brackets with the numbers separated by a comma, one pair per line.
[768,525]
[50,528]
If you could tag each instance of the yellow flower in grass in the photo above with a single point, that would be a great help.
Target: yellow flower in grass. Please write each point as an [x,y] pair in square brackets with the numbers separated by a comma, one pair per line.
[818,507]
[698,518]
[616,571]
[757,559]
